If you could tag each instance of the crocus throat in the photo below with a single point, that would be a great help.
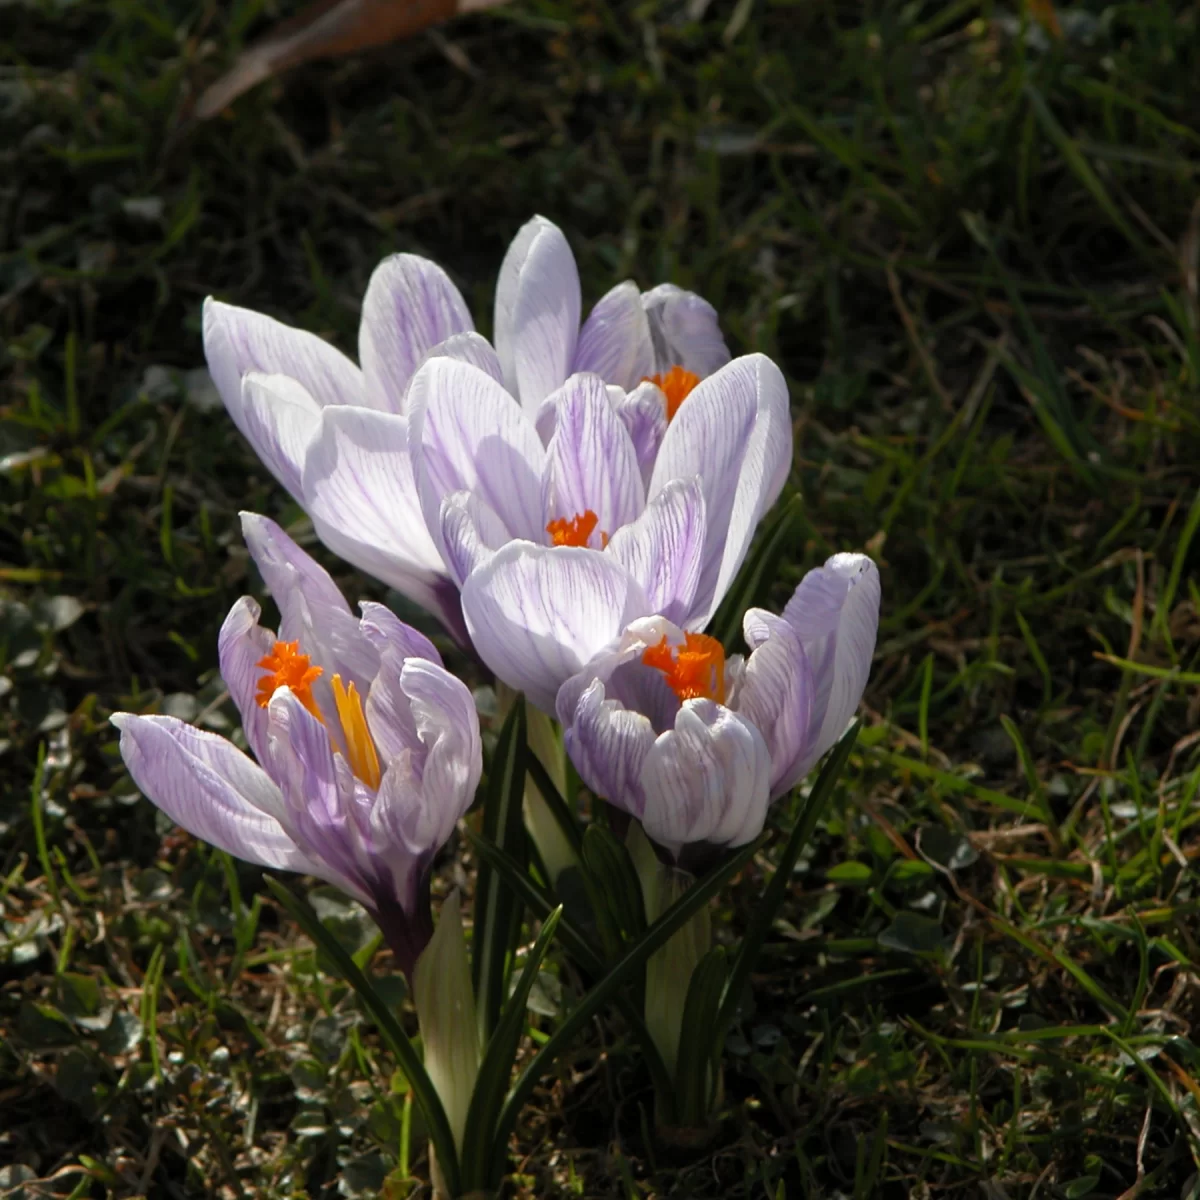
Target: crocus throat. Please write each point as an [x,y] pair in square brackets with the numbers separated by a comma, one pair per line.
[676,384]
[576,530]
[694,670]
[286,667]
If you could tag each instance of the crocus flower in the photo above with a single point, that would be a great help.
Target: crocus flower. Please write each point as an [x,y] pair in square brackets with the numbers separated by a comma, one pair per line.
[301,403]
[558,544]
[368,749]
[694,745]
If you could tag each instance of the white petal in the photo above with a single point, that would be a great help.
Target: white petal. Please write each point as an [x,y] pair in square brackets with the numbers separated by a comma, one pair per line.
[361,495]
[410,306]
[663,549]
[279,418]
[706,780]
[238,341]
[614,342]
[835,612]
[591,464]
[537,312]
[734,432]
[536,614]
[208,786]
[684,330]
[467,435]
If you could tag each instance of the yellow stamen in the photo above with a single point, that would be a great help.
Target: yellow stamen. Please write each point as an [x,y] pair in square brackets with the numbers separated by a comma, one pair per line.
[695,670]
[286,667]
[575,531]
[676,384]
[360,748]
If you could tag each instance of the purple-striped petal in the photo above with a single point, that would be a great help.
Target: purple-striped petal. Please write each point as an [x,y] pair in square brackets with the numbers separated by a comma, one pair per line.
[536,614]
[591,464]
[241,646]
[776,695]
[835,613]
[643,412]
[471,348]
[279,418]
[734,432]
[410,306]
[471,533]
[663,549]
[537,312]
[211,788]
[614,342]
[312,609]
[387,633]
[361,495]
[609,746]
[238,341]
[706,780]
[684,331]
[466,434]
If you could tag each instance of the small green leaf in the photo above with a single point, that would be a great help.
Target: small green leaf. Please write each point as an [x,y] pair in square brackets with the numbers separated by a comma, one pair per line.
[913,933]
[850,872]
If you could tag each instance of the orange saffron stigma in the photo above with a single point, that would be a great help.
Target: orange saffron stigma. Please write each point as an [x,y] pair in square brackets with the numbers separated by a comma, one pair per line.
[695,670]
[574,531]
[287,667]
[676,385]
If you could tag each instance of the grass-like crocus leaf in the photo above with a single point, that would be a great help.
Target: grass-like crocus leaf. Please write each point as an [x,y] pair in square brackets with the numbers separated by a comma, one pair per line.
[541,904]
[496,1069]
[619,976]
[389,1028]
[695,1072]
[560,810]
[497,914]
[766,910]
[607,862]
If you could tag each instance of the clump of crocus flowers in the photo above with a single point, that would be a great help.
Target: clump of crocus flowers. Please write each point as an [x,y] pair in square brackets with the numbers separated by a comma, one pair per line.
[573,501]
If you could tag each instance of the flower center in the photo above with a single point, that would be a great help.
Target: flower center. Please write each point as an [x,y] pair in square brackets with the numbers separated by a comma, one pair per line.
[695,670]
[286,667]
[576,530]
[676,385]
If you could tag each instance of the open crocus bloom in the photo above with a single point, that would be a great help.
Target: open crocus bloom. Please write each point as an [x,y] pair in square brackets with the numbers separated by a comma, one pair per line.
[557,530]
[301,403]
[694,745]
[368,749]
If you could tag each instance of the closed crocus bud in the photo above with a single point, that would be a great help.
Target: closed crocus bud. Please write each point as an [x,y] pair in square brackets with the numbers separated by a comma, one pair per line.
[695,745]
[368,749]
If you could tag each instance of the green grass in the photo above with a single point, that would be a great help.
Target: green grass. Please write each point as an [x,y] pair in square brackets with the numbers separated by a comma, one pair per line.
[972,249]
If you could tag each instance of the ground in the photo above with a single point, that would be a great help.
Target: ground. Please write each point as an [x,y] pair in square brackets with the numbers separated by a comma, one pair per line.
[969,235]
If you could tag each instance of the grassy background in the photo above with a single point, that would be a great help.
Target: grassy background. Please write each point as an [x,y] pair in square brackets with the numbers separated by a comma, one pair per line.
[972,245]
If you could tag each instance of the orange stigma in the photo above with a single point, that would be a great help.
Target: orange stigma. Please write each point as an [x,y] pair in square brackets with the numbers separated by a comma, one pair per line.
[676,385]
[287,667]
[695,670]
[574,531]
